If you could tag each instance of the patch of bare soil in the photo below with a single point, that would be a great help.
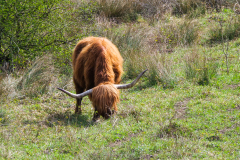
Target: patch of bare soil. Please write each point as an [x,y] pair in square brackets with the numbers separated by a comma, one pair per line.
[232,86]
[181,108]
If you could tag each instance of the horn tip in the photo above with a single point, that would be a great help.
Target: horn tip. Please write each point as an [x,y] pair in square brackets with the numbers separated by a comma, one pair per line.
[60,89]
[145,71]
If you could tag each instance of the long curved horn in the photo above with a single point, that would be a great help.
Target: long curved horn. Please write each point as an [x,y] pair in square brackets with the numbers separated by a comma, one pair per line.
[118,86]
[78,96]
[125,86]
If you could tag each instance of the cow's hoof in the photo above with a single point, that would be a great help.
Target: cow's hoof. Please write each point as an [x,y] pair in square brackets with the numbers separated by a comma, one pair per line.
[95,120]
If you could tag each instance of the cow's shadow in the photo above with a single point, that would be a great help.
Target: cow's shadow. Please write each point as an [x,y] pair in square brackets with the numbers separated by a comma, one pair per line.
[68,119]
[64,119]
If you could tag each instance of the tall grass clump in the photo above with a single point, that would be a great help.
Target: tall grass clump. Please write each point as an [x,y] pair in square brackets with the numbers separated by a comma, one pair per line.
[176,33]
[160,70]
[1,86]
[199,68]
[154,10]
[138,56]
[191,8]
[41,78]
[125,10]
[8,87]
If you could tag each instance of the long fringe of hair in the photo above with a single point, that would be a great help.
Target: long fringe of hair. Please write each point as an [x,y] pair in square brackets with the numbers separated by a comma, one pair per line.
[105,97]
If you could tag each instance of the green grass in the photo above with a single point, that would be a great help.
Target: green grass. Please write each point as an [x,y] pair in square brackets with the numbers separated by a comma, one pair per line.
[186,122]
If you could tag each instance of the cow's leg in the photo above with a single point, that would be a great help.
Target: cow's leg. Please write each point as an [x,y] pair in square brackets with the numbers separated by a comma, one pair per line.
[109,113]
[96,115]
[78,109]
[79,90]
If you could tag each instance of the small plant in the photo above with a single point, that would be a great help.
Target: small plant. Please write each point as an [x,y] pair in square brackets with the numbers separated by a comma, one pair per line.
[199,68]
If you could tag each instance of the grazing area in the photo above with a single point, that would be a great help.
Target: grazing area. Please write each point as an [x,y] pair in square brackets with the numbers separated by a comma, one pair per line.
[186,106]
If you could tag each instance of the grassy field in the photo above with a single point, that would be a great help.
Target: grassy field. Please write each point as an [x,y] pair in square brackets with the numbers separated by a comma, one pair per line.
[186,107]
[187,122]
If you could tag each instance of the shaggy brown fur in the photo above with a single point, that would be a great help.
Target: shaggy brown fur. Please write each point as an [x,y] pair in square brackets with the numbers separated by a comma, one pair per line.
[97,64]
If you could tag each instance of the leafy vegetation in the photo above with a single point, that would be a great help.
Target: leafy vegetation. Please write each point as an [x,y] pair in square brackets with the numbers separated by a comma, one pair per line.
[187,106]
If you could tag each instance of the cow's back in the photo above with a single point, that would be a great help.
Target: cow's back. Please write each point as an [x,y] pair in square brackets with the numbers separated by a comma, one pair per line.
[96,60]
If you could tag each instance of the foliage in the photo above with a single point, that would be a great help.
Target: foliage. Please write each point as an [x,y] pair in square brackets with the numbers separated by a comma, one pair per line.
[25,30]
[29,29]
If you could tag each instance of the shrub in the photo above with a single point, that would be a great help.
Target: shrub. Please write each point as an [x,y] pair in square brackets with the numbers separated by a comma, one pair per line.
[32,30]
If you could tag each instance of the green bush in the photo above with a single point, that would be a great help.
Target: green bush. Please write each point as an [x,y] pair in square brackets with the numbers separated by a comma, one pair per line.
[32,29]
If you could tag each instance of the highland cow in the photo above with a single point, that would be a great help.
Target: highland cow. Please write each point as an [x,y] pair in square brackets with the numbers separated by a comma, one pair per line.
[97,70]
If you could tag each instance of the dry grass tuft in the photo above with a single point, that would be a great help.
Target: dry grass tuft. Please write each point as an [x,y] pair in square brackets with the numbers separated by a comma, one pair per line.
[8,87]
[120,10]
[41,78]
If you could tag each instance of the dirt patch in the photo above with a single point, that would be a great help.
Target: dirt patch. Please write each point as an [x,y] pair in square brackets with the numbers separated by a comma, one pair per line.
[181,109]
[229,129]
[130,111]
[232,86]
